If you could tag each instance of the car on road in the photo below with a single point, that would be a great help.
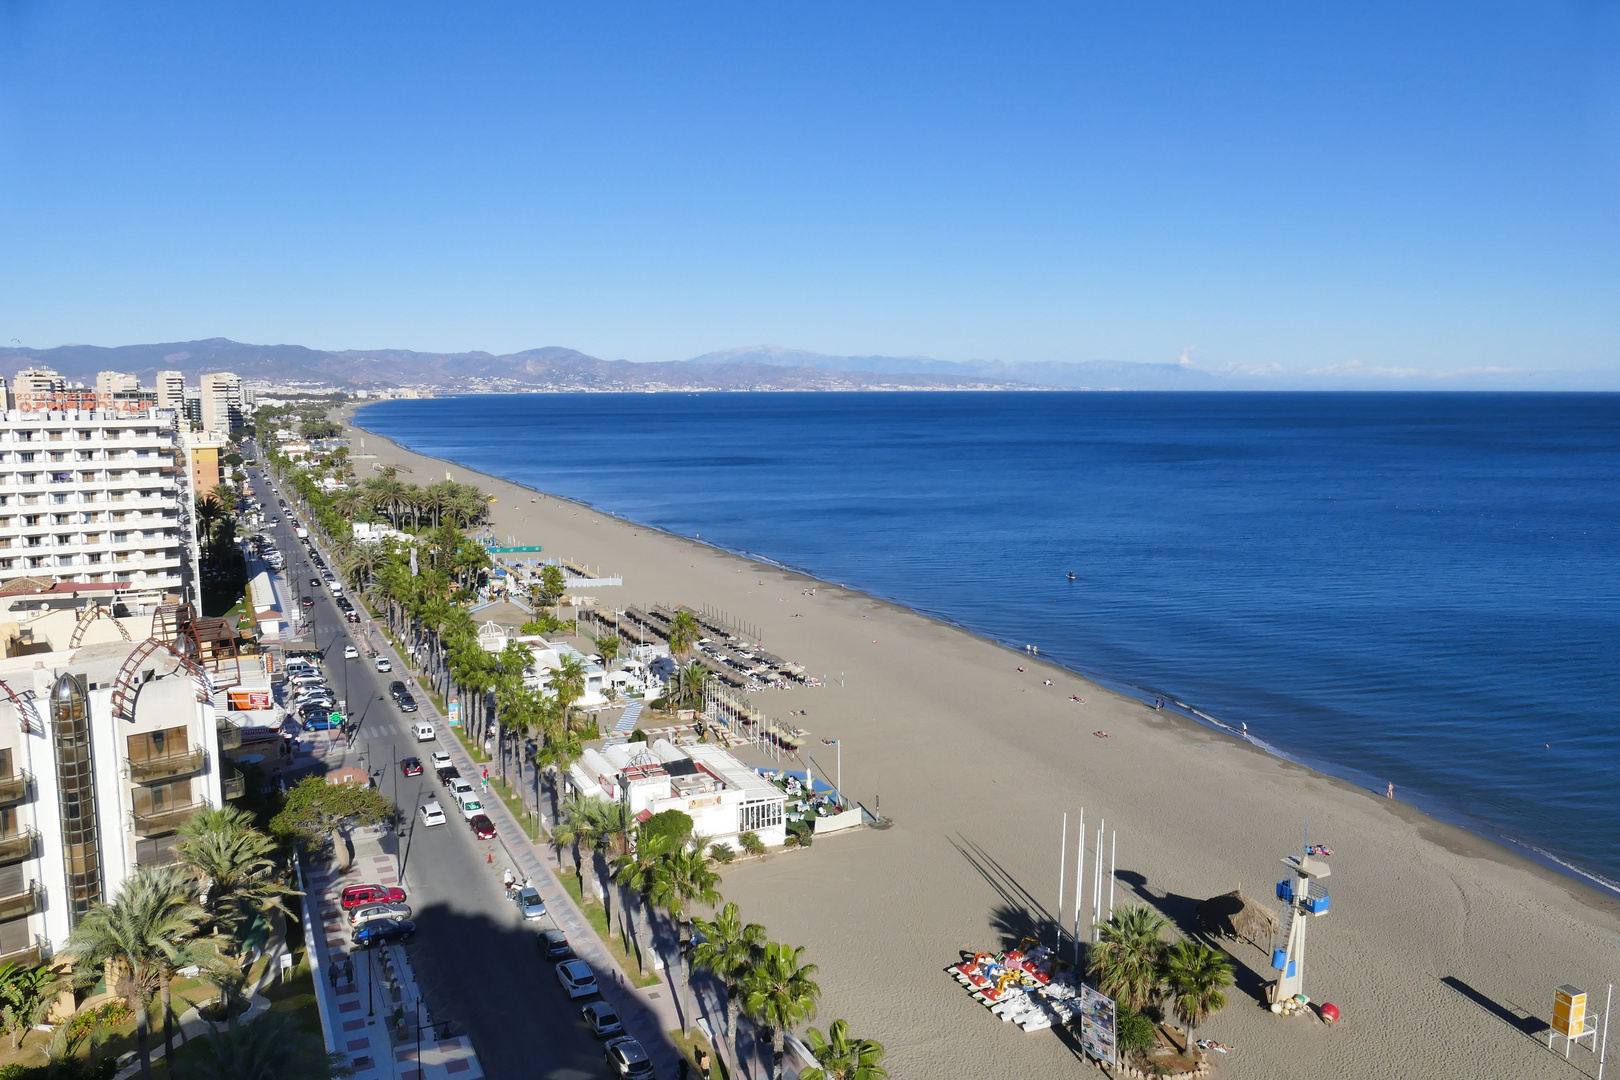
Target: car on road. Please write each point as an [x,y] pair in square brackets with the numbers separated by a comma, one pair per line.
[383,932]
[411,766]
[422,731]
[369,912]
[384,664]
[357,895]
[553,944]
[458,787]
[576,978]
[308,601]
[321,723]
[397,689]
[352,616]
[627,1058]
[482,827]
[314,582]
[407,704]
[350,652]
[529,902]
[432,814]
[440,759]
[603,1021]
[343,604]
[447,774]
[471,806]
[336,587]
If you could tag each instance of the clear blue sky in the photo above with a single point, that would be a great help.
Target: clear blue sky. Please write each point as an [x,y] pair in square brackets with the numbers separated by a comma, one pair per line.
[1399,185]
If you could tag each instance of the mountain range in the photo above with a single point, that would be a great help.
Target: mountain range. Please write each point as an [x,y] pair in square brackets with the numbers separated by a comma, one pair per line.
[757,367]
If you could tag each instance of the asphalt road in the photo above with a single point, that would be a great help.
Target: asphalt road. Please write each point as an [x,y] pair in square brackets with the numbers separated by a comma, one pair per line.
[474,957]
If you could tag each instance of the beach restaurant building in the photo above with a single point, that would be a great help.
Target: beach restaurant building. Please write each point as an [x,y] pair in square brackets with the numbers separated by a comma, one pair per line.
[723,796]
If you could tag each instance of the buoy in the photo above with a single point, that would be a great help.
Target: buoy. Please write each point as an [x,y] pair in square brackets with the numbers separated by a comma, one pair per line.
[1330,1011]
[1276,1007]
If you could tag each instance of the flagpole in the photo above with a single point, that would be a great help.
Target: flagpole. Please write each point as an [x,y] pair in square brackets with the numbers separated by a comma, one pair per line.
[1063,855]
[1079,883]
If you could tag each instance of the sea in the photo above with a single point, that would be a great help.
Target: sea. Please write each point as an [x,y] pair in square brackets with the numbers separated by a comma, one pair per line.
[1418,589]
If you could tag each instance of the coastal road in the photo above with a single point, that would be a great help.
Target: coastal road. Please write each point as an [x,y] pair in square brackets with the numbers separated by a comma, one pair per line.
[474,957]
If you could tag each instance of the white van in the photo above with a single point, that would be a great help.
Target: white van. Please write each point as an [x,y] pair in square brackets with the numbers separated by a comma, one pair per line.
[423,731]
[471,805]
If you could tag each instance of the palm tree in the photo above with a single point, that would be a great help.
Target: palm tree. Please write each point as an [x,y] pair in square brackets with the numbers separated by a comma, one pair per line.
[730,950]
[139,939]
[636,871]
[843,1058]
[576,829]
[608,648]
[26,998]
[683,633]
[780,992]
[233,861]
[1196,975]
[1126,963]
[269,1048]
[684,874]
[687,690]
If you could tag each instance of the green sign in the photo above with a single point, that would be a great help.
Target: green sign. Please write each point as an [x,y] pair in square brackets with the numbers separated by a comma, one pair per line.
[336,718]
[513,550]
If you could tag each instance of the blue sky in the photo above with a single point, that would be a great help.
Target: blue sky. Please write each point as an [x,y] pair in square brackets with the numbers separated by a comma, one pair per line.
[1314,187]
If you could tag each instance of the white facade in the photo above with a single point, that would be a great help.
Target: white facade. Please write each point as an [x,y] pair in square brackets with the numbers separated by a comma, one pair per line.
[171,390]
[91,497]
[723,797]
[547,657]
[221,402]
[75,823]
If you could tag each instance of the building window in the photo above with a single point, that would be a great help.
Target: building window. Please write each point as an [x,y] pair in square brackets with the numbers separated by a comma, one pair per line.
[157,744]
[161,798]
[156,852]
[752,817]
[75,780]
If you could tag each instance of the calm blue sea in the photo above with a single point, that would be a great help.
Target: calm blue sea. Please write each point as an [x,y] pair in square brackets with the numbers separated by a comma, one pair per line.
[1409,588]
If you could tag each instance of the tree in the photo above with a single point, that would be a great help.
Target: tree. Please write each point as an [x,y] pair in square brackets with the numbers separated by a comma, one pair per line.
[316,813]
[780,992]
[551,586]
[1196,975]
[670,826]
[273,1047]
[1135,1030]
[843,1058]
[1127,961]
[730,950]
[683,633]
[608,648]
[139,940]
[636,871]
[26,998]
[686,691]
[233,861]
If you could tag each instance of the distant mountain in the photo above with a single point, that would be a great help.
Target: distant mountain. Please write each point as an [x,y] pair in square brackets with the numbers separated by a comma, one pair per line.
[1086,375]
[551,368]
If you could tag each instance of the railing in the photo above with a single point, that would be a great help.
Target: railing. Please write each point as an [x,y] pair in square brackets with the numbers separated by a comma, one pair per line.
[26,959]
[20,904]
[230,736]
[15,788]
[158,822]
[15,847]
[234,786]
[148,770]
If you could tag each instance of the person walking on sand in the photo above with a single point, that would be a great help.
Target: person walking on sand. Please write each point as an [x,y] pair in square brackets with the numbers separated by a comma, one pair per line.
[1391,792]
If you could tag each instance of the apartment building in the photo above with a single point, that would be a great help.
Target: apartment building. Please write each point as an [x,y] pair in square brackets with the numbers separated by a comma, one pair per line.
[171,390]
[205,460]
[105,751]
[92,496]
[222,403]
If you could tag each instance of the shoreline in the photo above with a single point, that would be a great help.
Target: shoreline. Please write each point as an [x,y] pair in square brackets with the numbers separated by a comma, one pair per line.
[1351,775]
[979,758]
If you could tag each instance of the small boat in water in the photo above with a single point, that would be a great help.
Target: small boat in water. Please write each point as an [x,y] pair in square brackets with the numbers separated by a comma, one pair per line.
[1071,575]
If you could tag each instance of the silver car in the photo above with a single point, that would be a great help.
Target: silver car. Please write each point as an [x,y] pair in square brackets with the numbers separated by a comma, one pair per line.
[368,912]
[529,902]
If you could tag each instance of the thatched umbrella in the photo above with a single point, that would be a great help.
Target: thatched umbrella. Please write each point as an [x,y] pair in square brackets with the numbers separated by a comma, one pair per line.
[1235,914]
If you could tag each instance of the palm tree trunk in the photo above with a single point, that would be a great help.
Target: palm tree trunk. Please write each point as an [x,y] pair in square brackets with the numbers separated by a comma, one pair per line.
[168,1026]
[778,1049]
[141,1042]
[733,1018]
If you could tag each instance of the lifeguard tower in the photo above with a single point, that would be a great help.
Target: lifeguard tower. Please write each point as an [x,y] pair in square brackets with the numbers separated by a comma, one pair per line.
[1303,897]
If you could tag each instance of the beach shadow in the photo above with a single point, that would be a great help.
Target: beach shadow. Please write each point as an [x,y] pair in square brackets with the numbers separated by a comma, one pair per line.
[1019,915]
[1511,1015]
[1182,911]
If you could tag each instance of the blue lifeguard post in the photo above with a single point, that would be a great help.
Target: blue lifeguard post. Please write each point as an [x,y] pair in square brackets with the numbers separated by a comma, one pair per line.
[1302,896]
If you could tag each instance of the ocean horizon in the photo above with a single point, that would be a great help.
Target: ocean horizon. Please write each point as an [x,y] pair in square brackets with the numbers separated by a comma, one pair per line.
[1410,589]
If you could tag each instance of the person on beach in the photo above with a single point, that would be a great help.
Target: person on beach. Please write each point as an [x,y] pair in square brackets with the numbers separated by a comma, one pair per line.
[1391,792]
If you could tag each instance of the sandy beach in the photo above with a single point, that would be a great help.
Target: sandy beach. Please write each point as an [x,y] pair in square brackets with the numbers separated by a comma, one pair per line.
[1439,946]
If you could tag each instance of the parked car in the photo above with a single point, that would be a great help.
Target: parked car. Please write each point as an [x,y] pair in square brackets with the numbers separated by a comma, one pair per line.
[627,1058]
[321,723]
[368,912]
[440,759]
[407,704]
[553,944]
[422,731]
[470,805]
[447,774]
[397,689]
[356,895]
[529,902]
[432,814]
[601,1019]
[384,664]
[352,616]
[482,827]
[411,766]
[383,932]
[350,652]
[576,978]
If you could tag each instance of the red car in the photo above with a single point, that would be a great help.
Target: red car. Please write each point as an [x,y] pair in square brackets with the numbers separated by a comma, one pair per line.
[482,827]
[411,767]
[355,895]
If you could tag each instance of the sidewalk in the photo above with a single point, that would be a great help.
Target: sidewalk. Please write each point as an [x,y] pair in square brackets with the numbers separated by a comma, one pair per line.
[375,1012]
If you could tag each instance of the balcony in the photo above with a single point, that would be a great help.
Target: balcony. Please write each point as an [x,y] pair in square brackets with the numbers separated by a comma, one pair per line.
[19,904]
[15,847]
[233,786]
[157,769]
[15,788]
[159,822]
[26,959]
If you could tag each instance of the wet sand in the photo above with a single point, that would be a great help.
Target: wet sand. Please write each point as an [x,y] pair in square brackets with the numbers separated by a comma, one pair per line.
[1437,943]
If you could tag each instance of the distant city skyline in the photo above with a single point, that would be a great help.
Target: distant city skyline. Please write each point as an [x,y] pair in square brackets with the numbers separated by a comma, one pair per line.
[1377,196]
